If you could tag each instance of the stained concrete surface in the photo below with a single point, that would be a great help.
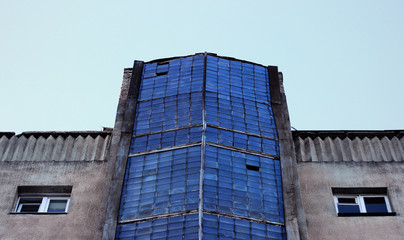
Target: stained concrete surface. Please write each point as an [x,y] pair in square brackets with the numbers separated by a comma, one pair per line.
[318,179]
[84,219]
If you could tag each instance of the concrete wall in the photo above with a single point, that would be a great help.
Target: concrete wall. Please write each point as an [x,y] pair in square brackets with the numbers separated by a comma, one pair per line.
[76,159]
[316,181]
[83,220]
[350,159]
[294,215]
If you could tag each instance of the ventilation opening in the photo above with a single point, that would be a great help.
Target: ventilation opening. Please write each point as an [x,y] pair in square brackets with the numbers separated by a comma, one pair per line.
[163,63]
[253,168]
[162,68]
[161,73]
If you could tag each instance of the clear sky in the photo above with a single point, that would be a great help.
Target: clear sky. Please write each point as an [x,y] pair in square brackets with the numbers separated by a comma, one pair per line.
[61,62]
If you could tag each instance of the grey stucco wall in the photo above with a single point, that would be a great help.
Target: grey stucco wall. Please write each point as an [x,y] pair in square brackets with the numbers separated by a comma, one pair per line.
[86,209]
[316,182]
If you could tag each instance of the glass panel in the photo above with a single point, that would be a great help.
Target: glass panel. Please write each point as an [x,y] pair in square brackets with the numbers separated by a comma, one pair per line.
[231,188]
[29,207]
[57,205]
[346,200]
[182,227]
[29,204]
[348,208]
[215,227]
[160,183]
[375,204]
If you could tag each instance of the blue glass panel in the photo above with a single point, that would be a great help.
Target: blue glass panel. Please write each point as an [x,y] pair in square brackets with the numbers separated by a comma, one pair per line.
[240,140]
[219,227]
[153,187]
[244,80]
[240,114]
[348,209]
[174,77]
[182,227]
[375,204]
[241,191]
[166,139]
[167,113]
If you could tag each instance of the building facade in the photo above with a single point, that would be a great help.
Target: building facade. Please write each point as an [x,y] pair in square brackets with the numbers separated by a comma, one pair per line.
[45,169]
[202,149]
[351,183]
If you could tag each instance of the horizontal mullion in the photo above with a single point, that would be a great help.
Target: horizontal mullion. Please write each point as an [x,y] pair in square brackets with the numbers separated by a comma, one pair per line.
[238,131]
[252,152]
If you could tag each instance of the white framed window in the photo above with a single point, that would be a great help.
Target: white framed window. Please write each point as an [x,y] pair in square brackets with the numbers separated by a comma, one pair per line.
[362,204]
[42,199]
[366,202]
[35,204]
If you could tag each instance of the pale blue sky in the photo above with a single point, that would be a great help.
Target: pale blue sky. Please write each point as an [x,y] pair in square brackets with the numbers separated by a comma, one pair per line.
[61,62]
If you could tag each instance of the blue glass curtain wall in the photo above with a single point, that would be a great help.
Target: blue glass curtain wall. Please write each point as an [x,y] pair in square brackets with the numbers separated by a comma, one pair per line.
[161,183]
[179,227]
[221,227]
[204,157]
[230,187]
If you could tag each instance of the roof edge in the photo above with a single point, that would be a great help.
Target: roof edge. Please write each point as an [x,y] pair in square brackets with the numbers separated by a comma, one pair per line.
[351,134]
[207,53]
[55,134]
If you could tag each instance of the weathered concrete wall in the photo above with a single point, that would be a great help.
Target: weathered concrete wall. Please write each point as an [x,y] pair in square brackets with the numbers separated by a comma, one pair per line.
[316,181]
[83,220]
[119,149]
[294,215]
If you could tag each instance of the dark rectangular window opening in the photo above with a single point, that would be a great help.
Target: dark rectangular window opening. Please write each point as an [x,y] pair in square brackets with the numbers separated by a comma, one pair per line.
[163,63]
[161,73]
[252,167]
[162,68]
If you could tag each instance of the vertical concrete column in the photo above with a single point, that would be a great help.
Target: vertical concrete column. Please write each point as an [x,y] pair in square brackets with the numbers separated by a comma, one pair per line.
[121,137]
[294,215]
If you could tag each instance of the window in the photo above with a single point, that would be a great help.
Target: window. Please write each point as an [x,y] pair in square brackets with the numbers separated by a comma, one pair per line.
[34,204]
[43,199]
[362,202]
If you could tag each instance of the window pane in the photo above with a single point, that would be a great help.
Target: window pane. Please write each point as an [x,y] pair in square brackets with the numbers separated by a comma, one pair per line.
[348,209]
[30,204]
[29,207]
[346,200]
[57,205]
[375,204]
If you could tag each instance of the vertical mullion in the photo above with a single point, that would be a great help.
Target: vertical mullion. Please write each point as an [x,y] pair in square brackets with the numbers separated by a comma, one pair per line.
[203,146]
[361,203]
[386,200]
[44,204]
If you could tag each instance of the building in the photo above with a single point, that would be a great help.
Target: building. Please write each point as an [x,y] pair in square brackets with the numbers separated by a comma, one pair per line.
[202,149]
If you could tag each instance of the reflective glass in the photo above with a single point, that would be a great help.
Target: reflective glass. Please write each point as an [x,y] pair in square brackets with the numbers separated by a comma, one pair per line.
[157,197]
[245,192]
[167,228]
[238,115]
[375,204]
[219,227]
